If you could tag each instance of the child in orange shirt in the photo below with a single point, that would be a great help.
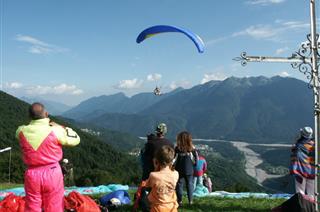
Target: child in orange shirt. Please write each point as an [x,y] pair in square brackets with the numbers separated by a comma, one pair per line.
[162,182]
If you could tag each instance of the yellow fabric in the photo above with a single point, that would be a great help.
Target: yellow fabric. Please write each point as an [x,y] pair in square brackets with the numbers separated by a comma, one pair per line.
[66,136]
[38,130]
[163,195]
[35,132]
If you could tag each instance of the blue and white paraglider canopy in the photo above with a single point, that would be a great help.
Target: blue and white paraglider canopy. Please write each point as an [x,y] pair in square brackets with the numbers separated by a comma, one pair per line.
[154,30]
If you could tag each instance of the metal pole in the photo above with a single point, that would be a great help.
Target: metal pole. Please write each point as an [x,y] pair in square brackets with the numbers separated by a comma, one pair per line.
[314,60]
[276,59]
[10,167]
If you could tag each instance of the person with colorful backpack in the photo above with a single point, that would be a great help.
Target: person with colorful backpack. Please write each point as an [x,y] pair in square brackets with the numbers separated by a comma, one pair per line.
[186,158]
[302,165]
[199,170]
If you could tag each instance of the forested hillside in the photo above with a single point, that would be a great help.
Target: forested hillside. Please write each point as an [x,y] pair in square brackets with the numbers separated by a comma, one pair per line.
[95,162]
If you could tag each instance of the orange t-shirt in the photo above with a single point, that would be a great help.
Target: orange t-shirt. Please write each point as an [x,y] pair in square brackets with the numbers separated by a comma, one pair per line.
[163,196]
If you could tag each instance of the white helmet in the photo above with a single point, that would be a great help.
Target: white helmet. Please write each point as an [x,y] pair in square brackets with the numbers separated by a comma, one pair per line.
[306,132]
[65,160]
[115,201]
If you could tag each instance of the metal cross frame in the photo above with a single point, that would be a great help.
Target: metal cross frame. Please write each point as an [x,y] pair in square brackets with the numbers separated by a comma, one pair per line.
[307,61]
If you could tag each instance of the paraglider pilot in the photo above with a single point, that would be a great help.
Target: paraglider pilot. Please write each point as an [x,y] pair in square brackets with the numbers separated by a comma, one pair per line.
[41,144]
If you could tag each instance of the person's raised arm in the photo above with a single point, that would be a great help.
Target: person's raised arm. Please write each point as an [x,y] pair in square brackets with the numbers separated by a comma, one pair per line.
[65,135]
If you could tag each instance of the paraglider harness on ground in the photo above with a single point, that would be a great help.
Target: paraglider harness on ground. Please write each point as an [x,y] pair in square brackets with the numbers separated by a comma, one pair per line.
[80,203]
[141,198]
[12,203]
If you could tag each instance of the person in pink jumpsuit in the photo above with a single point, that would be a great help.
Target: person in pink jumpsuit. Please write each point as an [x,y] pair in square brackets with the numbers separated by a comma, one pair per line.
[41,144]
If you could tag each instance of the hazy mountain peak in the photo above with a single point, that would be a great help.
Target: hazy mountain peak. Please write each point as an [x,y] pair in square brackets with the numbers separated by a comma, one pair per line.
[53,107]
[210,83]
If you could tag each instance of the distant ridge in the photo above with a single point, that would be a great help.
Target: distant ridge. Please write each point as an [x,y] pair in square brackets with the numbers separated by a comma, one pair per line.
[54,108]
[254,109]
[116,103]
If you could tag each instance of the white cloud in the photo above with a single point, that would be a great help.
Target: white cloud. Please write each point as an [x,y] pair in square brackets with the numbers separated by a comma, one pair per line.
[14,85]
[129,84]
[77,92]
[38,90]
[264,2]
[295,25]
[57,90]
[281,50]
[154,77]
[69,89]
[284,74]
[182,83]
[213,76]
[31,40]
[38,46]
[39,50]
[272,32]
[258,32]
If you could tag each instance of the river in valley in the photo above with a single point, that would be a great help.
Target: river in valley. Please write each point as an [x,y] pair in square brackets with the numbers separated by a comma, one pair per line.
[252,158]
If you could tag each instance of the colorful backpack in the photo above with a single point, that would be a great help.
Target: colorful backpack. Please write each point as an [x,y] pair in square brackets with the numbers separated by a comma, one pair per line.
[80,203]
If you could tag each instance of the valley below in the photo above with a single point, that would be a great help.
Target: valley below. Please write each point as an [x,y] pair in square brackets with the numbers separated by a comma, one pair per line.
[254,161]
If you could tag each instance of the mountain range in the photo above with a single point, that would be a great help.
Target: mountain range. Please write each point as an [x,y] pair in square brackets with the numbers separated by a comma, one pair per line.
[116,103]
[254,109]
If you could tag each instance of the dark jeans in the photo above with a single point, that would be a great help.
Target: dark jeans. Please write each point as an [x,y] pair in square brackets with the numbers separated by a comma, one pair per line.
[189,184]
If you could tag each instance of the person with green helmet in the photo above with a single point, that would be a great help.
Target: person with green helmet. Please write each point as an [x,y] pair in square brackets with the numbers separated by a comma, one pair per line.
[154,143]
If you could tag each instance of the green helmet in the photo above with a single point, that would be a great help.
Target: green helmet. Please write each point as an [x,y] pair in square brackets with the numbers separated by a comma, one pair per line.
[162,128]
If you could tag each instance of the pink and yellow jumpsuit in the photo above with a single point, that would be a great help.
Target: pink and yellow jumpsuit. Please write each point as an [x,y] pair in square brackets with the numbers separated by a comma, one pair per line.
[41,146]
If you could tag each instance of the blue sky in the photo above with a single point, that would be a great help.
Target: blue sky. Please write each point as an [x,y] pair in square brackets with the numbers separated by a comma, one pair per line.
[70,50]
